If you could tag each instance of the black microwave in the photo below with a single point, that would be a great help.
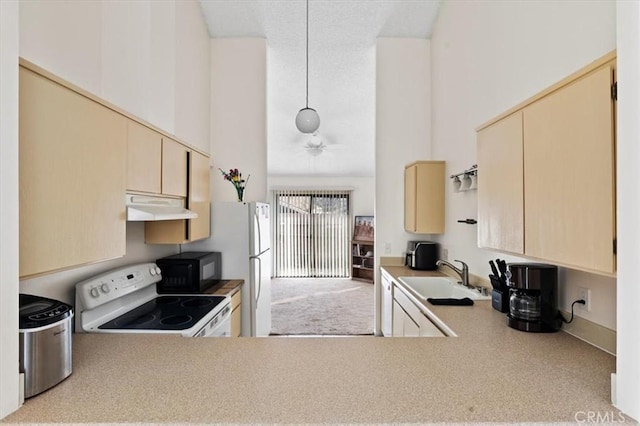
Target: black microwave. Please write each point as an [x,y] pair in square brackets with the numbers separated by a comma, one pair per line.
[189,272]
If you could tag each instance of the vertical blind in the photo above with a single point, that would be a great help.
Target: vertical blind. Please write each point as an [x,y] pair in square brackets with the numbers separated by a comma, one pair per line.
[312,233]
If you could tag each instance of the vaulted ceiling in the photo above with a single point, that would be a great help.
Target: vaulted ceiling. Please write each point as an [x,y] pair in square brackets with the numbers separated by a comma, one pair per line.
[342,36]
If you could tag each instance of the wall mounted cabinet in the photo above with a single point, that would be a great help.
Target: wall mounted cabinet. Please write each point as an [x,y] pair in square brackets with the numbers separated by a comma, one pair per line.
[199,196]
[174,168]
[79,155]
[72,177]
[198,200]
[548,182]
[501,195]
[424,183]
[144,159]
[160,165]
[156,164]
[569,174]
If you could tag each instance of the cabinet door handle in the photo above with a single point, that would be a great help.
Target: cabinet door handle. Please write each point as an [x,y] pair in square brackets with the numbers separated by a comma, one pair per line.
[468,221]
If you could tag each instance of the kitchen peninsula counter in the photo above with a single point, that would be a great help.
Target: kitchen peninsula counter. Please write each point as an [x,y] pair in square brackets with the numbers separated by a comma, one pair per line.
[489,373]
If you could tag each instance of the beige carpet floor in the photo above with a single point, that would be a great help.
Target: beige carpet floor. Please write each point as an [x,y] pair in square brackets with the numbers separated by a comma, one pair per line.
[321,306]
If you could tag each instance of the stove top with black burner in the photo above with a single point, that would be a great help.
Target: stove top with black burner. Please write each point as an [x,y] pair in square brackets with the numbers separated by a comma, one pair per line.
[166,313]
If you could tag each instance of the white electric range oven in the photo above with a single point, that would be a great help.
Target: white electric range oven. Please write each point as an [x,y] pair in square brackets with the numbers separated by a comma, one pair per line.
[125,300]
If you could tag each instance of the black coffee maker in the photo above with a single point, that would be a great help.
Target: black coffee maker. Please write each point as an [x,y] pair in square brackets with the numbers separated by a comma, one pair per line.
[533,289]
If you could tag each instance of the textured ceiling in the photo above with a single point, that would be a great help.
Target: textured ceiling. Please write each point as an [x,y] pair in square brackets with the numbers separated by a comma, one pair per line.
[342,35]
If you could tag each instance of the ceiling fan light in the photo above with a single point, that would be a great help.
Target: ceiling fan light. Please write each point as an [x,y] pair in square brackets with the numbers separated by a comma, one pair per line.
[307,120]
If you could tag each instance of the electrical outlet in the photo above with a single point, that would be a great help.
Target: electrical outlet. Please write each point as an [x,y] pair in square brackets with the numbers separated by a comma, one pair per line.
[387,248]
[584,294]
[445,254]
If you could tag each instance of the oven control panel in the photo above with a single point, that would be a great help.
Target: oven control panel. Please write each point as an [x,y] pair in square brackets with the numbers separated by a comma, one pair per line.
[111,285]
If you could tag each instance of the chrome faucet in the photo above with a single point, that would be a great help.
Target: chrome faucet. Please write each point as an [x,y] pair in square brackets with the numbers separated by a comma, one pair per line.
[464,272]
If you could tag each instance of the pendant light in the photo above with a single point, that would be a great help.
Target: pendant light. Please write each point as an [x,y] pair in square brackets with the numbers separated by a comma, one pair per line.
[307,120]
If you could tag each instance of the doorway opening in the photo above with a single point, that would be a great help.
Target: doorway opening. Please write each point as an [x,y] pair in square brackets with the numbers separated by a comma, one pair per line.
[312,293]
[312,231]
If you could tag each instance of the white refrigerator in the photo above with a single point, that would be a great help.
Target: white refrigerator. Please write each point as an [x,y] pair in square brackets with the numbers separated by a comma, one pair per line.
[242,233]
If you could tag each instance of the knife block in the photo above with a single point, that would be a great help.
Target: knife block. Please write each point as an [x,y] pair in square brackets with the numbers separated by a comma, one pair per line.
[499,295]
[500,300]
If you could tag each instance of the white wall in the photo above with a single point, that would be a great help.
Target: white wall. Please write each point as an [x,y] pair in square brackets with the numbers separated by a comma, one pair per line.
[239,115]
[403,123]
[8,207]
[487,57]
[192,75]
[628,145]
[64,37]
[149,58]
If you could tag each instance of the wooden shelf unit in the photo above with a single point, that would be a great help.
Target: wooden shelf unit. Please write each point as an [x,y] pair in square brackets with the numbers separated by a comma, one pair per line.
[361,264]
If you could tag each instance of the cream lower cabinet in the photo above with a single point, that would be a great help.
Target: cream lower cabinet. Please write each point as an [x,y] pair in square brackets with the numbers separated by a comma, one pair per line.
[72,157]
[546,187]
[236,314]
[408,318]
[424,197]
[198,200]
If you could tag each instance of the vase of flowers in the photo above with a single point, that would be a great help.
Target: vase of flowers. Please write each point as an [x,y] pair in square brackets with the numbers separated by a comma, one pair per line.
[235,177]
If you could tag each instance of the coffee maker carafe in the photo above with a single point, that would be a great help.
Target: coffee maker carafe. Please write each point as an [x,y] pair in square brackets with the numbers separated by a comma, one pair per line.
[533,289]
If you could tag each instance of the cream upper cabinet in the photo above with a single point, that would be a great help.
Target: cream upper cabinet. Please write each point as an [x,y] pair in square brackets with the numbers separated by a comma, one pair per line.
[174,168]
[569,174]
[198,201]
[144,158]
[501,192]
[72,157]
[547,174]
[424,197]
[199,196]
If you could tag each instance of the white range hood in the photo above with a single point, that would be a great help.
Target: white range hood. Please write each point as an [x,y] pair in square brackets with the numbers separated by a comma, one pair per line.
[145,208]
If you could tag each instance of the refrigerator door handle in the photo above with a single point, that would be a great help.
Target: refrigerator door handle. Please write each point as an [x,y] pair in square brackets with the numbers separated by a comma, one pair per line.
[257,219]
[259,276]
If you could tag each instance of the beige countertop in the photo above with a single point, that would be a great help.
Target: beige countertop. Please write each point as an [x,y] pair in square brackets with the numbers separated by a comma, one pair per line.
[489,373]
[225,287]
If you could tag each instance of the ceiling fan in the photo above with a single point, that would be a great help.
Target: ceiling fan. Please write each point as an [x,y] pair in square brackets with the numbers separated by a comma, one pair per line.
[315,145]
